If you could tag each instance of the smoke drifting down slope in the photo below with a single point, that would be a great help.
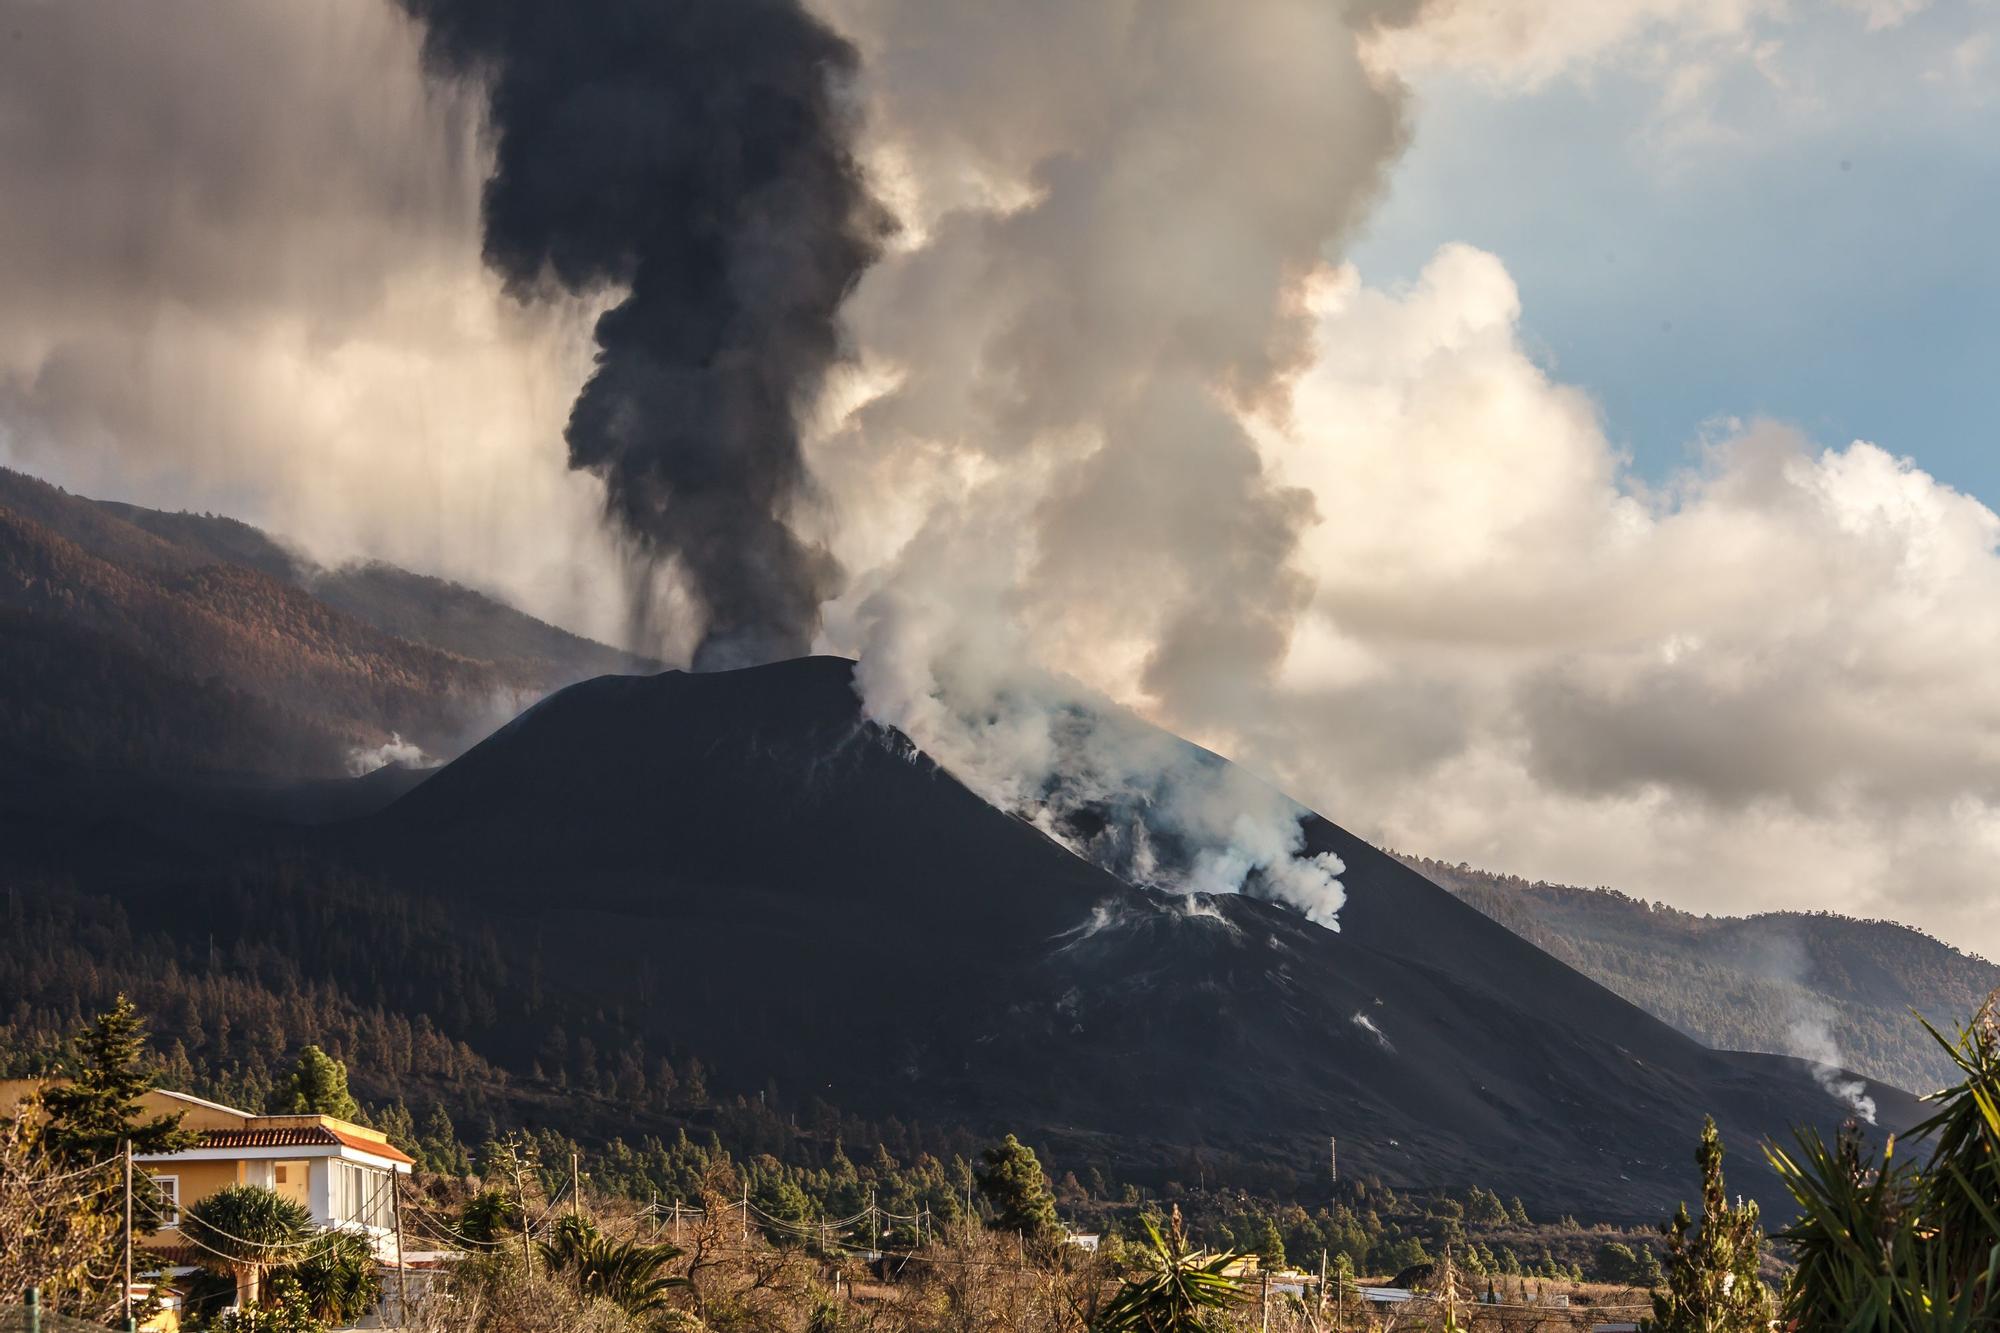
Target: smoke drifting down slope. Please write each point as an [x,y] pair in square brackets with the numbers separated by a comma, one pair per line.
[693,156]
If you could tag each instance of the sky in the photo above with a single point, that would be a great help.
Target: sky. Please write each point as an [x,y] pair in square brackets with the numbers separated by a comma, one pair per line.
[1554,436]
[1799,232]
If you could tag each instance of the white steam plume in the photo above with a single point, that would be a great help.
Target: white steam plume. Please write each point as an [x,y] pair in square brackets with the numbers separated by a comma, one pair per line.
[1810,1039]
[1367,1024]
[1149,807]
[365,759]
[1809,1035]
[1099,279]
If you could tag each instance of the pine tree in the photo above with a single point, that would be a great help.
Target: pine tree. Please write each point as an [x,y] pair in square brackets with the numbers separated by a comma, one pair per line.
[317,1086]
[94,1113]
[1014,1184]
[1712,1283]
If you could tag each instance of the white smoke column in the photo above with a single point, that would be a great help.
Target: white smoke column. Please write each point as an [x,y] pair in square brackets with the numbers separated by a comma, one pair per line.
[1809,1035]
[1112,211]
[943,662]
[1812,1040]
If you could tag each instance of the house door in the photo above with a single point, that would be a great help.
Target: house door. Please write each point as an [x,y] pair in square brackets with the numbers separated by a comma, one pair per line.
[289,1179]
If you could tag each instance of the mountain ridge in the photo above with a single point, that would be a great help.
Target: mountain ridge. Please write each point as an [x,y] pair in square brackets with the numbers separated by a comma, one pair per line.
[319,667]
[1783,982]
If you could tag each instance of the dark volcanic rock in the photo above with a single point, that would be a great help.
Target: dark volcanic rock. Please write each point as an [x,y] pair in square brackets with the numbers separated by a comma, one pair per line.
[741,863]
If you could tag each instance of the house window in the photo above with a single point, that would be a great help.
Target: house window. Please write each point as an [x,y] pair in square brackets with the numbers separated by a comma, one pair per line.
[170,1200]
[361,1195]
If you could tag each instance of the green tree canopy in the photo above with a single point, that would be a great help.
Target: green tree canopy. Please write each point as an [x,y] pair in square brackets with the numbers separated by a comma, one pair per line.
[1015,1185]
[92,1115]
[1712,1284]
[1615,1262]
[317,1085]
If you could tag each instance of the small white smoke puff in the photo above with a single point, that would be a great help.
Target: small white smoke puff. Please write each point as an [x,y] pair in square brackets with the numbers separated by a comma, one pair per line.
[1812,1040]
[1367,1024]
[363,760]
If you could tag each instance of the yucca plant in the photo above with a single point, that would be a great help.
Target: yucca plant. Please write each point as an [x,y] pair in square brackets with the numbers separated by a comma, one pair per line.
[1893,1244]
[1176,1291]
[631,1275]
[339,1278]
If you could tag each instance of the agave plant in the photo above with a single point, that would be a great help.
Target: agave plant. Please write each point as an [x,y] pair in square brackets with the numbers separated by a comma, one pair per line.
[631,1275]
[1176,1291]
[1891,1243]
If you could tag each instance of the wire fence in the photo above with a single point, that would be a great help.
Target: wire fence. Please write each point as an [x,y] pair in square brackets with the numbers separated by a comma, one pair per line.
[23,1318]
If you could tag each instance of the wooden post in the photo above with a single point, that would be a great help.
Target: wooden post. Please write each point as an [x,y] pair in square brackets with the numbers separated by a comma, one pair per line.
[1322,1284]
[575,1190]
[746,1211]
[677,1221]
[1266,1274]
[128,1231]
[521,1201]
[402,1262]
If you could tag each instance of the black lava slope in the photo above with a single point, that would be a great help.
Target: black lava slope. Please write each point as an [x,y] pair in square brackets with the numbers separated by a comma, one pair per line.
[740,863]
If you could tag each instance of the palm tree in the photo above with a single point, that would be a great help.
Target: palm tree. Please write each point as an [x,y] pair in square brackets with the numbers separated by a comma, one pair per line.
[244,1232]
[1177,1290]
[1895,1243]
[632,1276]
[338,1278]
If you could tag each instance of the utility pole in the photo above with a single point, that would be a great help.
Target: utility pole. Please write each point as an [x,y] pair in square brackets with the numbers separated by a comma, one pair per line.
[575,1197]
[402,1262]
[746,1212]
[1266,1273]
[1333,1158]
[677,1221]
[1322,1284]
[128,1232]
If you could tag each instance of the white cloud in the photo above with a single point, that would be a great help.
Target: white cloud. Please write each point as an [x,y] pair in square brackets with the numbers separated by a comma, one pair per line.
[1527,45]
[1763,685]
[1880,14]
[1766,685]
[242,272]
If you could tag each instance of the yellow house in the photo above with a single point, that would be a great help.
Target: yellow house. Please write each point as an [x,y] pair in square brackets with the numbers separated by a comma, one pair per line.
[341,1173]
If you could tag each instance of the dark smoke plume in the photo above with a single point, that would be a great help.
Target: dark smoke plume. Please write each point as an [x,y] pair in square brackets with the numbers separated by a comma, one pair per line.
[693,152]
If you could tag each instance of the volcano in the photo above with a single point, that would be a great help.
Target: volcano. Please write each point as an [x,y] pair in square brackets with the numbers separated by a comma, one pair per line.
[742,863]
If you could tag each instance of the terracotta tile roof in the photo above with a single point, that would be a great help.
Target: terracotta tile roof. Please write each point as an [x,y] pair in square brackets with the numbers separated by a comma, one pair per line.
[147,1258]
[298,1136]
[372,1146]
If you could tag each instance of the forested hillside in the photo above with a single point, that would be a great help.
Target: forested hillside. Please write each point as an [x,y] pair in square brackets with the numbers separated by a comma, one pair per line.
[1812,984]
[141,641]
[232,1010]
